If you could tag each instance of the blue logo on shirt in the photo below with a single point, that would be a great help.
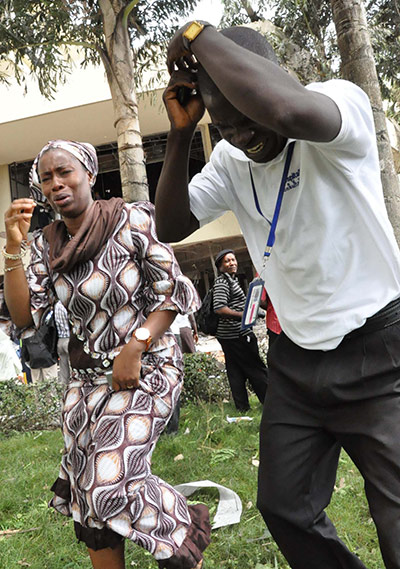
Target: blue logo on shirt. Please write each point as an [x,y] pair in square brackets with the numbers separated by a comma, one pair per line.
[293,180]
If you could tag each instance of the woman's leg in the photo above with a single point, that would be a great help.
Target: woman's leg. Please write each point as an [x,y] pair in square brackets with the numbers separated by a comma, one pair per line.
[108,558]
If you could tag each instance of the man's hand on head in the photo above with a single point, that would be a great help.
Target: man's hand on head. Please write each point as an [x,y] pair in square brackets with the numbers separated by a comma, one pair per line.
[179,55]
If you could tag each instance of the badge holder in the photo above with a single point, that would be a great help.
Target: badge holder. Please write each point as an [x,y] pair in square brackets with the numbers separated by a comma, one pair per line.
[252,305]
[256,286]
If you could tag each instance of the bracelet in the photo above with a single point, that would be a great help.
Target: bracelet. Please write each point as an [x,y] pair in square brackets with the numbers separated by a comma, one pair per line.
[14,257]
[8,269]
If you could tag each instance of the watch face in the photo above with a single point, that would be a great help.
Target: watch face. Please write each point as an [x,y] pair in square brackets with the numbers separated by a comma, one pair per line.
[193,31]
[142,334]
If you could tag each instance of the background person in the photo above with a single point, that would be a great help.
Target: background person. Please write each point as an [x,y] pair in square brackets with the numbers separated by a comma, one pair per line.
[62,324]
[333,275]
[184,328]
[122,289]
[10,364]
[242,358]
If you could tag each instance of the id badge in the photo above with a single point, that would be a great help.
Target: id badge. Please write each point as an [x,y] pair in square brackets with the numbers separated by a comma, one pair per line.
[252,303]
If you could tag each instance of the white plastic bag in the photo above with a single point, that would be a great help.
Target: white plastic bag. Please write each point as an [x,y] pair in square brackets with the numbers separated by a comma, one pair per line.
[10,364]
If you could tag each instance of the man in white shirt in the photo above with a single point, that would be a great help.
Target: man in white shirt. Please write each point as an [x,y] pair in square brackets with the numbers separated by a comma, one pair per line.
[333,274]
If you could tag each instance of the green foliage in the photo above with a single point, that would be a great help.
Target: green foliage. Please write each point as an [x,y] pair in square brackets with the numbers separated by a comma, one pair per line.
[308,24]
[30,461]
[205,379]
[29,407]
[36,34]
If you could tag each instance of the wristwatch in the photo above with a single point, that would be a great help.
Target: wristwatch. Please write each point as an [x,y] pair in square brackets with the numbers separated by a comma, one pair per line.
[143,335]
[192,31]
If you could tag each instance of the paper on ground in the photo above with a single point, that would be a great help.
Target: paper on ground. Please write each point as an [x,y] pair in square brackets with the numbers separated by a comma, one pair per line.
[229,508]
[238,419]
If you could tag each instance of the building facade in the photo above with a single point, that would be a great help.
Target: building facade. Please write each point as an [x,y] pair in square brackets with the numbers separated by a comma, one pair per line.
[82,110]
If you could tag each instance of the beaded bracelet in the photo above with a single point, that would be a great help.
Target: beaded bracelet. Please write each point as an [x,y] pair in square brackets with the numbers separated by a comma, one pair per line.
[8,269]
[13,257]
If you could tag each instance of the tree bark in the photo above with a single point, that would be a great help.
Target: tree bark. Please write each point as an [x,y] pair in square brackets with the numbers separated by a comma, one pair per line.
[358,66]
[119,62]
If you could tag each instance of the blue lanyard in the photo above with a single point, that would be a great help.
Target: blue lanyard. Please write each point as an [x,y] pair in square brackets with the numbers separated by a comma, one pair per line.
[274,222]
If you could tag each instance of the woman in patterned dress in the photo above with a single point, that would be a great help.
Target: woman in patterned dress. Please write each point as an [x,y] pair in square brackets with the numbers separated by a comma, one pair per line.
[122,289]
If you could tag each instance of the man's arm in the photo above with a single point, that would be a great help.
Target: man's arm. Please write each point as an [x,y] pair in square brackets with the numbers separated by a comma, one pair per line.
[226,312]
[193,325]
[259,88]
[222,296]
[174,220]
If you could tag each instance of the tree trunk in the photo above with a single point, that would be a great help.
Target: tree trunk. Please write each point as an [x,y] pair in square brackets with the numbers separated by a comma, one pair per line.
[254,17]
[119,63]
[358,66]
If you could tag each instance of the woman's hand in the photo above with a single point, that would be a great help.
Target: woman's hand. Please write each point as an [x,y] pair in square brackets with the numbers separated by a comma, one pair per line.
[18,221]
[127,366]
[183,115]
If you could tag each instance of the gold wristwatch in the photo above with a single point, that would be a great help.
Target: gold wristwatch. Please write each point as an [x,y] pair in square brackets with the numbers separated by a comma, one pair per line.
[192,31]
[143,335]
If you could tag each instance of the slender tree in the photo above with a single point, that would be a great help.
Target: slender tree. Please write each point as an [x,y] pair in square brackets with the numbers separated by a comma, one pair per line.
[358,65]
[126,36]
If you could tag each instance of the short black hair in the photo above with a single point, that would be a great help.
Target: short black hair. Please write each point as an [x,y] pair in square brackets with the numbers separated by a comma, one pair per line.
[252,40]
[248,39]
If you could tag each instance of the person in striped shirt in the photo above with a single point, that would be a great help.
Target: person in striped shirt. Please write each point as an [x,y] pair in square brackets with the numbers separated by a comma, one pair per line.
[240,348]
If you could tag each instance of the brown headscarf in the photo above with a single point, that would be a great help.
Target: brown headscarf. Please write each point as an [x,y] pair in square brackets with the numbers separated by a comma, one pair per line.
[67,251]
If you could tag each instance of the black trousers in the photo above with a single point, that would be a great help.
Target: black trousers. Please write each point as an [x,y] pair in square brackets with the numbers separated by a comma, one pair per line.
[242,360]
[319,402]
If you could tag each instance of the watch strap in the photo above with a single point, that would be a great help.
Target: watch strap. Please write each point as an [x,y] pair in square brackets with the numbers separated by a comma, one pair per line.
[192,31]
[148,341]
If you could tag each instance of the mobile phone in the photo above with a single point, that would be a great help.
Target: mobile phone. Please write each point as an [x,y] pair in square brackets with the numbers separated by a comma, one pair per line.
[183,95]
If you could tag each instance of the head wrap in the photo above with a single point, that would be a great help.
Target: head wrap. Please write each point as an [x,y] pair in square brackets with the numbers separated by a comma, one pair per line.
[83,151]
[221,255]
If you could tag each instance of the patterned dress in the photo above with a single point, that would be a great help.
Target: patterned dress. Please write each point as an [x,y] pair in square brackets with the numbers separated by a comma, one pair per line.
[105,479]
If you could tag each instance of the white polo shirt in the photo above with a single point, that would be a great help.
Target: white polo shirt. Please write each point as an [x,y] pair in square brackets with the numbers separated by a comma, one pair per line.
[335,261]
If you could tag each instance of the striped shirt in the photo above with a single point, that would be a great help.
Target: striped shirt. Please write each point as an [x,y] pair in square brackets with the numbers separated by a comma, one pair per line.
[61,318]
[228,292]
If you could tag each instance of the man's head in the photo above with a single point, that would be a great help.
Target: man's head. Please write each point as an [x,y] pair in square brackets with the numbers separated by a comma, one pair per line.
[255,140]
[226,262]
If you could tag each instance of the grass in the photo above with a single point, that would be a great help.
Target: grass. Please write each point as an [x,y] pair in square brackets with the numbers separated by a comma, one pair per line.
[212,449]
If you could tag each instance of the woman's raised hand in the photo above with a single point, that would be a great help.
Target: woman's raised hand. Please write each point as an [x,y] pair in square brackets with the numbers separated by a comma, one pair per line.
[18,220]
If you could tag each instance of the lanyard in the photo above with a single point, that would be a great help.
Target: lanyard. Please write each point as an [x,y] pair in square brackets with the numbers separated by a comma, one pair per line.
[274,222]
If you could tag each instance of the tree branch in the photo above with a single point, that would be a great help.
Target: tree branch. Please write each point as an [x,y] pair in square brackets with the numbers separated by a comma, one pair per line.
[127,11]
[76,43]
[254,17]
